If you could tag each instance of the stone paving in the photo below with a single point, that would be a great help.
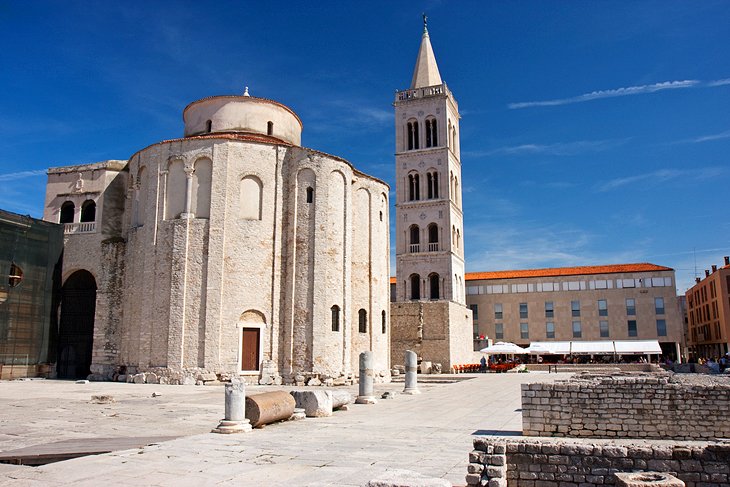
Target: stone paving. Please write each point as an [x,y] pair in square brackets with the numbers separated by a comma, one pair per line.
[430,433]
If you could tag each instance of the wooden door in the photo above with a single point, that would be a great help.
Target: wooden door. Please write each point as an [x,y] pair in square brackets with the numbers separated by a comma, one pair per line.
[250,349]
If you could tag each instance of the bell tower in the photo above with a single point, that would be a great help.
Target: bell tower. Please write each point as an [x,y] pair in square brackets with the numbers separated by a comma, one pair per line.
[429,315]
[429,227]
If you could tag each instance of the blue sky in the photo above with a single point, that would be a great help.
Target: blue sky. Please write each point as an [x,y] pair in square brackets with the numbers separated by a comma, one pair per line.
[593,132]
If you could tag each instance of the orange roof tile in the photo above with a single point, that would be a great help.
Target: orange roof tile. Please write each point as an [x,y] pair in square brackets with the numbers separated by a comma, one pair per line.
[566,271]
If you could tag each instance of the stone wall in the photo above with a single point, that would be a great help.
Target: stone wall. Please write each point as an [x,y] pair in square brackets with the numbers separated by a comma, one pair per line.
[639,406]
[548,462]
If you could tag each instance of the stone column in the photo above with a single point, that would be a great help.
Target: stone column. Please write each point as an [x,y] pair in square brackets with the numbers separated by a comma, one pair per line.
[366,379]
[235,416]
[411,362]
[188,213]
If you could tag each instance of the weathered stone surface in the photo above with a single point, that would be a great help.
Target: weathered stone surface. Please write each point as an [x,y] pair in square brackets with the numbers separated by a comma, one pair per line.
[151,378]
[341,398]
[269,407]
[406,478]
[316,404]
[647,479]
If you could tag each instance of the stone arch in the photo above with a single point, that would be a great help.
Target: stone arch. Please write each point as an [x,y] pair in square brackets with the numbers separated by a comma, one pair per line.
[414,282]
[251,192]
[67,212]
[76,328]
[251,325]
[88,211]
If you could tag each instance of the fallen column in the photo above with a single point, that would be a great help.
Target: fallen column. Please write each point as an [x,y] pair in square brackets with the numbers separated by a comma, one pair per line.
[366,379]
[235,419]
[411,373]
[269,407]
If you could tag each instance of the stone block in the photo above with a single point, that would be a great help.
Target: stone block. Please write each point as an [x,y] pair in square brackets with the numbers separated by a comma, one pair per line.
[407,478]
[647,479]
[316,404]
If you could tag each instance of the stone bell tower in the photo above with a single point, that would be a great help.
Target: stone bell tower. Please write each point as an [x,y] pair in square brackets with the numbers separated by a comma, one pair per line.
[429,225]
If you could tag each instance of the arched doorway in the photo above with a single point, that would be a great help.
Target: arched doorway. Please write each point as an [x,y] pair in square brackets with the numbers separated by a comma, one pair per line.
[76,331]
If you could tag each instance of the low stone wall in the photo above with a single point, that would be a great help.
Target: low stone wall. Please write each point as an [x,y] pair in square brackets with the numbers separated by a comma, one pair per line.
[630,406]
[552,462]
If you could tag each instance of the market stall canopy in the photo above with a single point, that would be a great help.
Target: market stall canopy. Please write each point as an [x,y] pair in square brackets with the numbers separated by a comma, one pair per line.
[595,347]
[553,348]
[638,346]
[504,347]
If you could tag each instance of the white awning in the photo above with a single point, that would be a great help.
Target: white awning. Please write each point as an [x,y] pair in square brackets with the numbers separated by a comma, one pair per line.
[556,348]
[638,346]
[592,347]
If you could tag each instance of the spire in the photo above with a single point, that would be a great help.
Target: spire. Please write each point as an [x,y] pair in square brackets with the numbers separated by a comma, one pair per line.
[426,72]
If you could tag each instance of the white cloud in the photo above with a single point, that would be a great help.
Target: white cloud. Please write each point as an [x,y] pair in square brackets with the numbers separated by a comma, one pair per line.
[612,93]
[706,138]
[662,175]
[719,82]
[556,149]
[22,175]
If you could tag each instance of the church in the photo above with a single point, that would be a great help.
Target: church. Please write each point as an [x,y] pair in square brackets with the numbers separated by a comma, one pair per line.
[235,250]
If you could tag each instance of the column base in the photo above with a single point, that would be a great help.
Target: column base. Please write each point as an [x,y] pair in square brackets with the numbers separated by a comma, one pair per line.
[365,400]
[411,392]
[227,427]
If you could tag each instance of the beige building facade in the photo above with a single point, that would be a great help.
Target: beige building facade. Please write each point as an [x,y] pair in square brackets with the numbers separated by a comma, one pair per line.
[429,315]
[708,313]
[230,250]
[591,303]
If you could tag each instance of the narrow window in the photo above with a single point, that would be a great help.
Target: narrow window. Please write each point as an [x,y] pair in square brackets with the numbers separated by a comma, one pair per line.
[415,238]
[88,211]
[381,216]
[550,329]
[549,309]
[602,307]
[417,186]
[382,317]
[434,285]
[575,308]
[270,128]
[362,319]
[335,318]
[428,133]
[659,305]
[631,307]
[435,185]
[415,135]
[632,328]
[524,331]
[474,311]
[661,328]
[603,328]
[208,126]
[433,237]
[15,275]
[410,136]
[415,287]
[523,310]
[310,195]
[429,185]
[577,333]
[67,212]
[497,311]
[434,134]
[499,331]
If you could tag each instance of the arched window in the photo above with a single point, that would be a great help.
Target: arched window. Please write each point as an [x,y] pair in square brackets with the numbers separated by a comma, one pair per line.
[414,187]
[433,284]
[415,238]
[362,320]
[432,183]
[433,237]
[270,128]
[250,198]
[88,211]
[458,238]
[310,195]
[208,126]
[412,135]
[456,189]
[382,316]
[431,133]
[202,178]
[451,139]
[67,212]
[335,318]
[415,287]
[175,191]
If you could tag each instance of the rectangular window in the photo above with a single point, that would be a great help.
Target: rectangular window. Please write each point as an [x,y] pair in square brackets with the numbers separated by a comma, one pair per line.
[628,283]
[498,311]
[602,284]
[603,328]
[659,306]
[550,329]
[523,310]
[474,311]
[661,328]
[575,308]
[524,331]
[630,307]
[632,328]
[602,307]
[549,309]
[499,331]
[577,333]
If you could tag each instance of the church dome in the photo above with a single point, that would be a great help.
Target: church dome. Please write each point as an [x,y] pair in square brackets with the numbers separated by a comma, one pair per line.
[242,114]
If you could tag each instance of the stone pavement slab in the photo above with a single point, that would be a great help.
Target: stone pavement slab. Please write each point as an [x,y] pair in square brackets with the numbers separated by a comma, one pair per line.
[430,434]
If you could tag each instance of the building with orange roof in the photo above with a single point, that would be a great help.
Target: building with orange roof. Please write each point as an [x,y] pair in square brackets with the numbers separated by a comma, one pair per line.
[588,303]
[708,313]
